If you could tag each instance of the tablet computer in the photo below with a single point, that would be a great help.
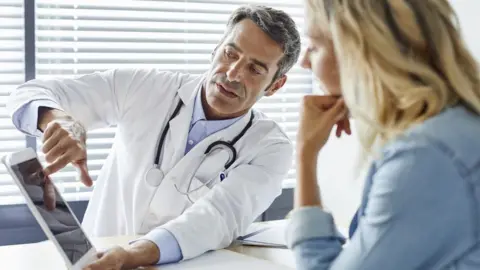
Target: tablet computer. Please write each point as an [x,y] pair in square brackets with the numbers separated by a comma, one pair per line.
[50,209]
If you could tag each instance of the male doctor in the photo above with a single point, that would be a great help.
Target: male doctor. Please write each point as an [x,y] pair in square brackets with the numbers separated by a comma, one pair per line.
[157,180]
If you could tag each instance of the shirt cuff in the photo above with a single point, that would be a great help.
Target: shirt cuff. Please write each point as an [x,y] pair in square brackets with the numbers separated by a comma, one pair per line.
[310,222]
[25,118]
[166,242]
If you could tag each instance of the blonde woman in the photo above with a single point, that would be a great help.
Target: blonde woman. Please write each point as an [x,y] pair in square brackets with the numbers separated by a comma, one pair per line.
[403,72]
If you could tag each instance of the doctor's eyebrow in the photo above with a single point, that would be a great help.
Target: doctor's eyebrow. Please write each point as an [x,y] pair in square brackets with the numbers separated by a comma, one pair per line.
[255,61]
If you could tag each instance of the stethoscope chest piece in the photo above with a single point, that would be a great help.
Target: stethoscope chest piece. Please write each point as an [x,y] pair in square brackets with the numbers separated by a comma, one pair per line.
[154,176]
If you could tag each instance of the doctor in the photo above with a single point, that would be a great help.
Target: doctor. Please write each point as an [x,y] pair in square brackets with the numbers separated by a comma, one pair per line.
[157,179]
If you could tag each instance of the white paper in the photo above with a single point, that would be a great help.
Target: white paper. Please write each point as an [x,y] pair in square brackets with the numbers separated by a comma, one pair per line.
[271,234]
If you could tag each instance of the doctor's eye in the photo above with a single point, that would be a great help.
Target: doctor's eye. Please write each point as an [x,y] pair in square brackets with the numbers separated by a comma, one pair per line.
[255,70]
[230,55]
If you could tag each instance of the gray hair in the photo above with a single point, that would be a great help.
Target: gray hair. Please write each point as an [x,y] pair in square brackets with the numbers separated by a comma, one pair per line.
[278,25]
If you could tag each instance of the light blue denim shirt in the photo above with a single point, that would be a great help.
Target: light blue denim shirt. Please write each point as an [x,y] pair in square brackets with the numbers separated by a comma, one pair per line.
[25,119]
[420,207]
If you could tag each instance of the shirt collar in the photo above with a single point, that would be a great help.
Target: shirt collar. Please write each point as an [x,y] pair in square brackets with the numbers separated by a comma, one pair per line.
[198,112]
[212,126]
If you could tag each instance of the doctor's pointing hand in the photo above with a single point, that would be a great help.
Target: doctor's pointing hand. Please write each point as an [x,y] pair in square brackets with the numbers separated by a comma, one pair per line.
[64,142]
[192,164]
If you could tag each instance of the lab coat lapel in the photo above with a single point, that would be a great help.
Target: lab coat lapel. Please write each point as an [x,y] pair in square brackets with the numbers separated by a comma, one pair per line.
[180,125]
[191,160]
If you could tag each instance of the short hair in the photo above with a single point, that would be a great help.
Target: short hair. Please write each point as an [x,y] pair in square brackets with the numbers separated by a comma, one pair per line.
[278,25]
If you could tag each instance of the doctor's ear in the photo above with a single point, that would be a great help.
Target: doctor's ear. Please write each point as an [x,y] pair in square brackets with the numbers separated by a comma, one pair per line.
[213,53]
[279,83]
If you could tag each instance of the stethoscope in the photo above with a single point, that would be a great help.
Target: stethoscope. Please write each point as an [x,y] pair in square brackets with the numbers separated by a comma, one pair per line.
[155,175]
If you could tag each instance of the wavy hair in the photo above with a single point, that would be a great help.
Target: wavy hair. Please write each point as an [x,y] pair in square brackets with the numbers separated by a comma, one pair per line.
[401,62]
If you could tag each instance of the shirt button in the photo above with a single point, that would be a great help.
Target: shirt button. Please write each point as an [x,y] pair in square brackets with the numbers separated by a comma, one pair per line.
[190,142]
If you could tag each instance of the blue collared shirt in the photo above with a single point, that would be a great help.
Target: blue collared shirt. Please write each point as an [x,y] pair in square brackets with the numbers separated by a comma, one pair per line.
[200,127]
[25,119]
[420,205]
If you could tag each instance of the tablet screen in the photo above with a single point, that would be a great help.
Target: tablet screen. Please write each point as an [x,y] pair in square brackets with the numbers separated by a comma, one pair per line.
[53,209]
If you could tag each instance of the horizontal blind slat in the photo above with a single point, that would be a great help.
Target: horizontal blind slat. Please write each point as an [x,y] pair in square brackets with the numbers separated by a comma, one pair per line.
[11,74]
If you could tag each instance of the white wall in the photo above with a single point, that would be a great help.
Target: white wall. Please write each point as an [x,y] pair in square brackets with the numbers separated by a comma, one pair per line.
[340,188]
[341,191]
[468,13]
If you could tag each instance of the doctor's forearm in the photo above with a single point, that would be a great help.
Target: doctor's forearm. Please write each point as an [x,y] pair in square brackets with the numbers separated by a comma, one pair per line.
[307,193]
[142,253]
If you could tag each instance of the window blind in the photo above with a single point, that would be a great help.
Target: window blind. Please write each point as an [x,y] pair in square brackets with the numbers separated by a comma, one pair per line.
[11,74]
[80,37]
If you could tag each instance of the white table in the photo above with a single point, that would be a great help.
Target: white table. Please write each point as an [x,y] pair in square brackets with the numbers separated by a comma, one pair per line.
[44,255]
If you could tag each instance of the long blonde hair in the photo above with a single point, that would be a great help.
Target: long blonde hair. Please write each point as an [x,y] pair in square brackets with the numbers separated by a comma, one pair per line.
[389,85]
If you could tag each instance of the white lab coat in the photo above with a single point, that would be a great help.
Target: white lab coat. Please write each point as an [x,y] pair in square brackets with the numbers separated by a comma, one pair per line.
[140,102]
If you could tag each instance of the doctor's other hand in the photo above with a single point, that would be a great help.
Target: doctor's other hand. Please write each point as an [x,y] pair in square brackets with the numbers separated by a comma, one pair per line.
[113,259]
[319,115]
[139,253]
[64,142]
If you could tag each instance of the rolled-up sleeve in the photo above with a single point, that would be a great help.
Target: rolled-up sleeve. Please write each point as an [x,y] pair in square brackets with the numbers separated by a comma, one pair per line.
[25,118]
[312,230]
[311,222]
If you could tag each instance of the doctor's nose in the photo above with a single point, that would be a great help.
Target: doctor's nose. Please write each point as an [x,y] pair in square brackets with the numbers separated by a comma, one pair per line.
[235,72]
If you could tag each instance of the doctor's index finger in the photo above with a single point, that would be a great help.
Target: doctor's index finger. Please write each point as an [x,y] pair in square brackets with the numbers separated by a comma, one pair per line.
[83,171]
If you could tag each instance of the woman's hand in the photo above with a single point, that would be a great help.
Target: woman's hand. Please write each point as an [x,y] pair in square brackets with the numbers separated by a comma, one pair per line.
[319,115]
